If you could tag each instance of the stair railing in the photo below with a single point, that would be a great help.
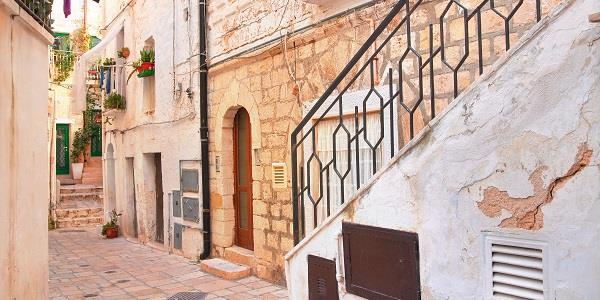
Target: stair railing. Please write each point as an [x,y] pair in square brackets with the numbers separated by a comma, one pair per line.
[325,179]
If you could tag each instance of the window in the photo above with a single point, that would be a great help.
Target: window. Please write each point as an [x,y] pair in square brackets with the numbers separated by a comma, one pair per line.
[345,156]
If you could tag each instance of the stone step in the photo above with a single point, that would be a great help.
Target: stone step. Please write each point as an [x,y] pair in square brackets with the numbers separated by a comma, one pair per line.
[240,256]
[225,269]
[81,196]
[94,180]
[70,213]
[92,171]
[80,222]
[70,189]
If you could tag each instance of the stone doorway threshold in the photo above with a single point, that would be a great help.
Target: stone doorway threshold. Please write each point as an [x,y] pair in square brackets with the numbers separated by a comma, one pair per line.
[236,263]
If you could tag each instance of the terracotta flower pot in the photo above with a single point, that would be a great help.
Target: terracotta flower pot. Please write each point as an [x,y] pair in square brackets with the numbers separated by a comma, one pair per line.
[112,232]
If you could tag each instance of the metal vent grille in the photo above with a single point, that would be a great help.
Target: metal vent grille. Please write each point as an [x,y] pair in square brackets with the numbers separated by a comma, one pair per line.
[279,175]
[517,272]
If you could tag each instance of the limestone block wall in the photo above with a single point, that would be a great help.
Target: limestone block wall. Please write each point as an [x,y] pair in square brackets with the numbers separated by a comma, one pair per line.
[24,167]
[515,155]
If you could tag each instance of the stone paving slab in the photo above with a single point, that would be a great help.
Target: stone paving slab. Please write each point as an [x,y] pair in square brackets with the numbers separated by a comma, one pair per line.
[84,265]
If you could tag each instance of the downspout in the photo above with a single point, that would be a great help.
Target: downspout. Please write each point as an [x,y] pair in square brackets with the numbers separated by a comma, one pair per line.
[203,87]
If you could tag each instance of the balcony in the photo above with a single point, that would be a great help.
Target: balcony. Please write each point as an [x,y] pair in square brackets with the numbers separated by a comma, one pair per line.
[40,10]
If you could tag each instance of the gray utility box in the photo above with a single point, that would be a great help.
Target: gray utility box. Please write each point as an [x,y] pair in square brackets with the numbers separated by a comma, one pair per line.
[189,180]
[177,204]
[177,235]
[191,209]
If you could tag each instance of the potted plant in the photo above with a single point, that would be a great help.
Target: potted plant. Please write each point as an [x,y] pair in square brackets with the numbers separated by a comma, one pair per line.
[80,141]
[145,66]
[109,61]
[114,101]
[111,228]
[123,53]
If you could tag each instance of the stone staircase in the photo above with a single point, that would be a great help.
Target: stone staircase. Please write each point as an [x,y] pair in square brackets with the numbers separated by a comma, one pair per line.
[80,206]
[92,171]
[236,263]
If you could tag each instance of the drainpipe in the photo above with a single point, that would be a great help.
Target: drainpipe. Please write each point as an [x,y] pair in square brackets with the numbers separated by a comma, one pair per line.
[203,87]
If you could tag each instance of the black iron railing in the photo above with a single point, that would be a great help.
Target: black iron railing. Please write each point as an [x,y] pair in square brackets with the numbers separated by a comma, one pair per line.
[40,10]
[359,124]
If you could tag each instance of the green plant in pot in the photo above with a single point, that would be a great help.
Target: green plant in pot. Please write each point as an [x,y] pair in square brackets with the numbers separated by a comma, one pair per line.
[83,137]
[146,64]
[111,228]
[114,101]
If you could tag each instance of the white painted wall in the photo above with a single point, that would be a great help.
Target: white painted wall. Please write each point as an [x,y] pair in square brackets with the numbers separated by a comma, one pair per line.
[536,108]
[172,129]
[24,193]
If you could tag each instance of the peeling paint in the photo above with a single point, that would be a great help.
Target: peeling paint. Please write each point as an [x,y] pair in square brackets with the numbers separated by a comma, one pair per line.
[526,212]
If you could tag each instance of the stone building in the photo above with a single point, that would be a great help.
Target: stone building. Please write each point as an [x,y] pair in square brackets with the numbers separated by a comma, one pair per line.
[24,172]
[269,63]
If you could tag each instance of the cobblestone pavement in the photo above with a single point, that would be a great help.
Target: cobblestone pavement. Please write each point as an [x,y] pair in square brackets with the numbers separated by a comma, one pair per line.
[84,265]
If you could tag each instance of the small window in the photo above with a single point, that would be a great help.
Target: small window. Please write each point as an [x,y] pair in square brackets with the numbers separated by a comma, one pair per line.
[279,174]
[515,268]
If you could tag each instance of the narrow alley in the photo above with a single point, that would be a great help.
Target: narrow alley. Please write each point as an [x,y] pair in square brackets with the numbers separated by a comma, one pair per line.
[83,265]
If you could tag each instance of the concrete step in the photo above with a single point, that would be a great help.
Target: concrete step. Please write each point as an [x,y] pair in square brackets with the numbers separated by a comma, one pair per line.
[80,222]
[71,213]
[225,269]
[240,256]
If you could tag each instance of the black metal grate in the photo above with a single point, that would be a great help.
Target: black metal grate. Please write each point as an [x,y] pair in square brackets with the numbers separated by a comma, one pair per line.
[40,10]
[188,296]
[321,182]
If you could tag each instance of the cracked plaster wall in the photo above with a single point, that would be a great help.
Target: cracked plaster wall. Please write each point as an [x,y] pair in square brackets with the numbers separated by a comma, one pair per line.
[528,130]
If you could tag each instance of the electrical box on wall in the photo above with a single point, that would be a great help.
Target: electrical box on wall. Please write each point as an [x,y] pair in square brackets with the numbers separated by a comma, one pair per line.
[191,209]
[176,204]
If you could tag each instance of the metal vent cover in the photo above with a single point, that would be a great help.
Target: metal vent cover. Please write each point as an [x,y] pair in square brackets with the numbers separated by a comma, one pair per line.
[322,283]
[188,296]
[387,269]
[516,268]
[279,175]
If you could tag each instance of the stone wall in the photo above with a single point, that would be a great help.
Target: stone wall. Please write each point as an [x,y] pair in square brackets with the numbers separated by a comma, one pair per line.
[516,155]
[24,167]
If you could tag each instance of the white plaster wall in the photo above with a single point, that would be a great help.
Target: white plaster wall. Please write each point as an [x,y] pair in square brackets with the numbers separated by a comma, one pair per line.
[24,166]
[172,129]
[536,108]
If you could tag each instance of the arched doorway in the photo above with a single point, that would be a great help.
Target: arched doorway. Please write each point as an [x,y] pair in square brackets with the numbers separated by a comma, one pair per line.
[110,195]
[242,198]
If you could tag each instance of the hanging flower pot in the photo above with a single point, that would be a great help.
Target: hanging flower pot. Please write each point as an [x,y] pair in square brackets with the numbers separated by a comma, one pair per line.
[145,69]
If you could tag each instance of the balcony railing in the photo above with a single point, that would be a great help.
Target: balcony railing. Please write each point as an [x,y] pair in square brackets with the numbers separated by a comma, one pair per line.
[363,118]
[40,10]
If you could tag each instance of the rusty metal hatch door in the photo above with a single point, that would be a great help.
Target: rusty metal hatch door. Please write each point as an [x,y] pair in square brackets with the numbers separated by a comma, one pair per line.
[381,263]
[322,284]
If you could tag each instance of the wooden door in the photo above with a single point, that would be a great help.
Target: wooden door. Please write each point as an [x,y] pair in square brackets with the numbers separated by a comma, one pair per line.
[96,145]
[62,149]
[243,180]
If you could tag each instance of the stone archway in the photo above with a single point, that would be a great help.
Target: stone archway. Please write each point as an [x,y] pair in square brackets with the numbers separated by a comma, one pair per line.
[222,206]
